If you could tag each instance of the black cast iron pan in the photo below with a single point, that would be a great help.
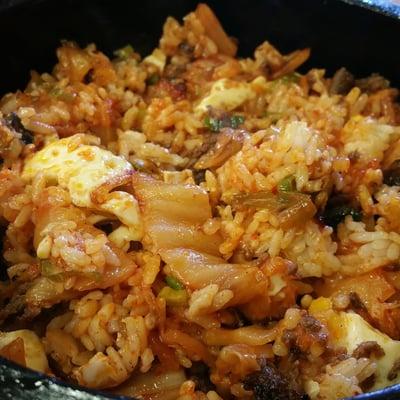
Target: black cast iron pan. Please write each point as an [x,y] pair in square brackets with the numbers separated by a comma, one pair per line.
[361,35]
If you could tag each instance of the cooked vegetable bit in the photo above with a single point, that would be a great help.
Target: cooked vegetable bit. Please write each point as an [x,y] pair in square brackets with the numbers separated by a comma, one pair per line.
[291,209]
[333,216]
[236,121]
[47,268]
[173,283]
[293,77]
[287,184]
[173,297]
[124,52]
[153,79]
[63,276]
[216,124]
[274,116]
[55,274]
[212,124]
[62,95]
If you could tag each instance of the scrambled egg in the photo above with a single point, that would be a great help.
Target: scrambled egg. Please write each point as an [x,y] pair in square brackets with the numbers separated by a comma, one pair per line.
[227,94]
[367,137]
[356,330]
[89,173]
[35,357]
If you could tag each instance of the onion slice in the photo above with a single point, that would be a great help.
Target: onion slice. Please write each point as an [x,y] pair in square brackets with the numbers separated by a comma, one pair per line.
[215,31]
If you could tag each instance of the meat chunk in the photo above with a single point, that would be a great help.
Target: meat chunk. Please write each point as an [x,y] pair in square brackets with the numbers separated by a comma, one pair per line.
[372,83]
[342,82]
[308,332]
[368,349]
[270,384]
[229,142]
[13,122]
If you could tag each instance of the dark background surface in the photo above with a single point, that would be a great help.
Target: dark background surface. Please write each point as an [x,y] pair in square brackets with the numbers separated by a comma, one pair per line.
[339,34]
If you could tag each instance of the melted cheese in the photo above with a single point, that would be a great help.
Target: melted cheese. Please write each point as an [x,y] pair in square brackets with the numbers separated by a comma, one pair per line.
[35,357]
[82,169]
[356,330]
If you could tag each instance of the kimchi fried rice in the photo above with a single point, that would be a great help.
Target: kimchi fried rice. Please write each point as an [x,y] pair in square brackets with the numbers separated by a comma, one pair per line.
[193,225]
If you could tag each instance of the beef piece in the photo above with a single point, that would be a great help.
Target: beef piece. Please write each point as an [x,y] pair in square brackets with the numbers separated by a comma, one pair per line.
[342,82]
[368,349]
[14,123]
[270,384]
[199,373]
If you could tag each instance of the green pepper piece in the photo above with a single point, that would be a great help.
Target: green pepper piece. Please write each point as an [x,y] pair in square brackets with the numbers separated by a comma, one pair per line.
[173,283]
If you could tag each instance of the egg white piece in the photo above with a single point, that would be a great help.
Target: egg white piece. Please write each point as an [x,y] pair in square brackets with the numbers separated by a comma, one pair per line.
[89,173]
[227,95]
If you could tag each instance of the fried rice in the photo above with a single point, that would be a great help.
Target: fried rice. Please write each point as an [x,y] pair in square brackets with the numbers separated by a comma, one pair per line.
[193,225]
